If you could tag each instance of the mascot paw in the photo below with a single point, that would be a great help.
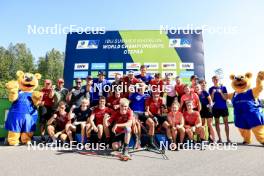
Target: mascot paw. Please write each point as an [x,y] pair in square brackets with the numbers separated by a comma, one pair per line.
[12,89]
[261,75]
[37,97]
[11,85]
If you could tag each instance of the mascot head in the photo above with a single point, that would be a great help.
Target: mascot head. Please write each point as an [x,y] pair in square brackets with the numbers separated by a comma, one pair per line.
[241,83]
[27,81]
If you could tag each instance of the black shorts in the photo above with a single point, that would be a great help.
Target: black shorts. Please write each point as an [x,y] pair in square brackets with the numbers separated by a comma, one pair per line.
[57,128]
[119,138]
[45,114]
[141,116]
[161,119]
[78,128]
[217,113]
[206,113]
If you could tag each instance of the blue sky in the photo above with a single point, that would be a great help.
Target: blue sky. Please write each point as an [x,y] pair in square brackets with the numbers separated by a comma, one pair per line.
[234,52]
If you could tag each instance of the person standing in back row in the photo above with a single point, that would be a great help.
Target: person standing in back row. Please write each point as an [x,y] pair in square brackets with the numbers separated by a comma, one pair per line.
[219,96]
[144,76]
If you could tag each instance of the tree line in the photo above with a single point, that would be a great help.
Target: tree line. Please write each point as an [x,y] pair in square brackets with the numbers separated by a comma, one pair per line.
[19,57]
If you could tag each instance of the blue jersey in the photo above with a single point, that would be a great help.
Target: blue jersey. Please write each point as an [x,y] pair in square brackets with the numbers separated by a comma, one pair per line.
[99,88]
[138,101]
[219,102]
[146,79]
[204,98]
[88,94]
[23,115]
[247,110]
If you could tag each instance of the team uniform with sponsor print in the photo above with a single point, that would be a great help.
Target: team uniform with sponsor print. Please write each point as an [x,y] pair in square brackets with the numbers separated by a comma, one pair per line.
[112,100]
[118,118]
[219,107]
[60,122]
[100,113]
[205,111]
[146,79]
[191,97]
[138,105]
[180,91]
[175,119]
[190,119]
[155,109]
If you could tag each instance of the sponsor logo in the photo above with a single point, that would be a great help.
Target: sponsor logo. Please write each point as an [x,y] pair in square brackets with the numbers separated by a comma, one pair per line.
[115,66]
[152,65]
[172,74]
[135,72]
[169,66]
[80,74]
[152,73]
[87,44]
[111,74]
[132,66]
[94,74]
[186,74]
[180,43]
[98,66]
[186,66]
[81,66]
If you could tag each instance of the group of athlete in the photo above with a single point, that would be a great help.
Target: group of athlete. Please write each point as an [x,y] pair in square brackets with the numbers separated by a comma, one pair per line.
[155,105]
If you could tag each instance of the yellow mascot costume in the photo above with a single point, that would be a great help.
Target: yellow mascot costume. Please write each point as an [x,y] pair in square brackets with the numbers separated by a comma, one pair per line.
[23,114]
[247,107]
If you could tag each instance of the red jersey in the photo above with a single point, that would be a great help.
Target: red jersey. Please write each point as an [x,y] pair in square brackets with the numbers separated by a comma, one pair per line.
[119,118]
[156,85]
[113,101]
[154,107]
[175,118]
[190,119]
[180,89]
[191,97]
[61,121]
[99,114]
[127,82]
[47,100]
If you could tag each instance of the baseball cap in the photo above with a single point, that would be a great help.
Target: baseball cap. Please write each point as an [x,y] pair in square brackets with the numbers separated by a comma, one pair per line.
[131,72]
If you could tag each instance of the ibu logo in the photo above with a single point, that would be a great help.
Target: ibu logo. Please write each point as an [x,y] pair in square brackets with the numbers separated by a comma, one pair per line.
[81,66]
[187,66]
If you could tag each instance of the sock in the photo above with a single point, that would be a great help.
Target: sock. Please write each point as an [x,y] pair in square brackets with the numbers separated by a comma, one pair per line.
[125,148]
[151,139]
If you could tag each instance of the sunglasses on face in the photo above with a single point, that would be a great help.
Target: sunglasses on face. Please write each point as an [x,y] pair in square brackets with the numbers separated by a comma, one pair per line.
[78,82]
